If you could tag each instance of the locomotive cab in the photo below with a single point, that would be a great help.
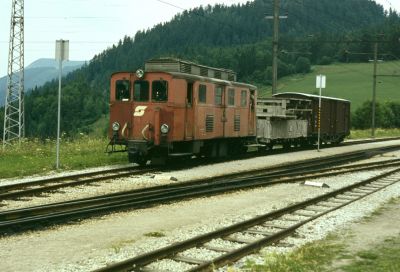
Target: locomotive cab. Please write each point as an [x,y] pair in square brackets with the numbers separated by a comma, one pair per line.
[139,115]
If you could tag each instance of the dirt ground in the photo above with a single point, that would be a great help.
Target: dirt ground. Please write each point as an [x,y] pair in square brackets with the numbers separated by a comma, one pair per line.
[371,232]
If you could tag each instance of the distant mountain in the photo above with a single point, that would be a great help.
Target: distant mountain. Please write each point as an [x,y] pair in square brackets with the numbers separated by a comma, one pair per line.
[39,72]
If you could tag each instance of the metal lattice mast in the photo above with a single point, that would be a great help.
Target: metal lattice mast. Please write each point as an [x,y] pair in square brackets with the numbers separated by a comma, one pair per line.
[14,106]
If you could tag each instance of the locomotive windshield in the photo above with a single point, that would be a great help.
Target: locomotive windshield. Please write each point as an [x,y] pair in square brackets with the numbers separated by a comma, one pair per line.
[122,90]
[159,90]
[141,90]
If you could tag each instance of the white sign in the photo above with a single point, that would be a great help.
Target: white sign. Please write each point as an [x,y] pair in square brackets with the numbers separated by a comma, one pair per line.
[62,50]
[321,81]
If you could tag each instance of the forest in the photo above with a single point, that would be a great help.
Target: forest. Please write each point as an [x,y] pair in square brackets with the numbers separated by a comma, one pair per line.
[237,37]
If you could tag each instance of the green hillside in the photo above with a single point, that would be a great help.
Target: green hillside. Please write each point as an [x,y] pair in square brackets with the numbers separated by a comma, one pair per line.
[236,37]
[352,81]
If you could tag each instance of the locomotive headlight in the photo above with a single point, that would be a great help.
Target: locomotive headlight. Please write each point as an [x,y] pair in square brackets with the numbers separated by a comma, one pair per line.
[115,126]
[164,128]
[139,73]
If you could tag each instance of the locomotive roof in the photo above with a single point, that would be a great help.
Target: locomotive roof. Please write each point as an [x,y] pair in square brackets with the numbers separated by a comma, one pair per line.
[310,96]
[188,67]
[213,80]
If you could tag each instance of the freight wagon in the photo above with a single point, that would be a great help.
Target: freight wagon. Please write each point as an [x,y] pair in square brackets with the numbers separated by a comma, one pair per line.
[335,117]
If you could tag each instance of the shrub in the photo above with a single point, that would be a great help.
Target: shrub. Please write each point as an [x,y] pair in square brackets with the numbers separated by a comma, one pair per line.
[303,65]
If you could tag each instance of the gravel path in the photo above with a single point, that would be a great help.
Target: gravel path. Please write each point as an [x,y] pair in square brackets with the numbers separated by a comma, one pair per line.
[93,243]
[152,179]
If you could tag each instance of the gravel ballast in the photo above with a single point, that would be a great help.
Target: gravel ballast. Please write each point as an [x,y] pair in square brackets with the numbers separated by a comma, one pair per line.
[96,242]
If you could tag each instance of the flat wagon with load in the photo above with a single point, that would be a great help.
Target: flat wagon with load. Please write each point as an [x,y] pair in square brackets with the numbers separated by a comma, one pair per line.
[335,117]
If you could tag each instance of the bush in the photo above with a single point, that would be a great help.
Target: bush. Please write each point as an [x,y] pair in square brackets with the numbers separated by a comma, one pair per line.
[303,65]
[385,115]
[326,60]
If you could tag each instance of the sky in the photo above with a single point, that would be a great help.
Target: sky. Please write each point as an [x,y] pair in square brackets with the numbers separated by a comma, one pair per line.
[93,25]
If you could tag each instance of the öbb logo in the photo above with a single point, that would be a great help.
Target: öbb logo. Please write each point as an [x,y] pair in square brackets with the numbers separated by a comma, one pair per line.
[139,110]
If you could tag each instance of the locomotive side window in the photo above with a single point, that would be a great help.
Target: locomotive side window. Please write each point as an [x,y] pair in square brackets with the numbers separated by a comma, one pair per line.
[189,93]
[159,90]
[141,90]
[231,97]
[122,90]
[218,95]
[243,98]
[202,93]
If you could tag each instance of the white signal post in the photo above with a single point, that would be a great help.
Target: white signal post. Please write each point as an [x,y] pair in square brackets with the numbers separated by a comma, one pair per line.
[62,53]
[321,84]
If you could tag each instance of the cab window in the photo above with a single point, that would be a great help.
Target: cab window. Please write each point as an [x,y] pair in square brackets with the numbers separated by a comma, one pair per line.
[159,90]
[122,90]
[141,90]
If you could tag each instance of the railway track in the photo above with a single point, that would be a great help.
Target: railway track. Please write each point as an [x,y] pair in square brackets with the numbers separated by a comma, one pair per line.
[27,218]
[51,184]
[249,236]
[38,187]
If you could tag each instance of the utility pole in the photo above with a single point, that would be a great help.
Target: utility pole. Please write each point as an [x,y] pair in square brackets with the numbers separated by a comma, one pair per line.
[14,120]
[275,47]
[374,89]
[275,44]
[62,53]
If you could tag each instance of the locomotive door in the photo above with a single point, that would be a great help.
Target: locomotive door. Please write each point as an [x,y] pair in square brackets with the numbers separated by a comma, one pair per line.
[252,112]
[189,112]
[231,112]
[220,111]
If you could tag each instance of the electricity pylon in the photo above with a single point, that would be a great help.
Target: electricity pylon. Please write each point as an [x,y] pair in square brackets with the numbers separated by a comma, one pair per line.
[14,105]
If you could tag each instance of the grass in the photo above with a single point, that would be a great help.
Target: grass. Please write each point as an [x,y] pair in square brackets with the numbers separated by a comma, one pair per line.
[383,258]
[117,247]
[318,256]
[155,234]
[38,157]
[362,134]
[351,81]
[311,257]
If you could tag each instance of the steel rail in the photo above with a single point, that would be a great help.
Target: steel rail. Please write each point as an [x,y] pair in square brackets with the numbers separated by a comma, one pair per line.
[369,186]
[9,191]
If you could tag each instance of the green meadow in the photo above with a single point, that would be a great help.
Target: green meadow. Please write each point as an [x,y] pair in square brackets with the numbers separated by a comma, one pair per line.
[39,157]
[352,81]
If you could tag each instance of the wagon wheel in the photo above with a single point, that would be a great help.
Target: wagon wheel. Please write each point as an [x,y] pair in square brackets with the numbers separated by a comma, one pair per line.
[141,161]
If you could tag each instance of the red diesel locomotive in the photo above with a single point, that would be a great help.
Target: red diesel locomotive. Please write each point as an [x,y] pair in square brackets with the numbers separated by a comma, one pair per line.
[176,108]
